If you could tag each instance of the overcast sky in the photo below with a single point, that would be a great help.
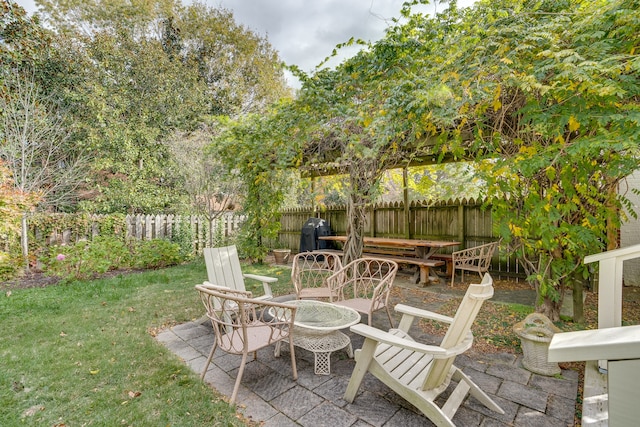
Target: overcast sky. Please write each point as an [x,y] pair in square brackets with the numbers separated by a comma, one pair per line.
[305,31]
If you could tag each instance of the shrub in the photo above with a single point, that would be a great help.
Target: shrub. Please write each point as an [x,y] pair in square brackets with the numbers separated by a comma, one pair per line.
[157,253]
[183,236]
[86,259]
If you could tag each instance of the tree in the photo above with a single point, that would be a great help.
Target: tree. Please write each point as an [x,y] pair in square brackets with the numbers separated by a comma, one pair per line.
[13,204]
[154,70]
[33,149]
[24,44]
[543,95]
[549,99]
[258,154]
[209,187]
[550,118]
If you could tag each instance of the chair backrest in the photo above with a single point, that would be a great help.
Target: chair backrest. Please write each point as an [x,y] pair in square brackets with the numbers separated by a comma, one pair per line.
[223,267]
[368,278]
[311,269]
[460,329]
[477,258]
[234,312]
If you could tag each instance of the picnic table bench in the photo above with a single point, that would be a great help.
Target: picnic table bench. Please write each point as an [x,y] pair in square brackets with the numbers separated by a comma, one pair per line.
[403,251]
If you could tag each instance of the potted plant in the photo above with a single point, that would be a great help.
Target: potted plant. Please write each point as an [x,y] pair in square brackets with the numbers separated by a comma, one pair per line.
[281,254]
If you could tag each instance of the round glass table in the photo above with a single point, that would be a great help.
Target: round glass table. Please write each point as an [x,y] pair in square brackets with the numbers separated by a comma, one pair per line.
[317,329]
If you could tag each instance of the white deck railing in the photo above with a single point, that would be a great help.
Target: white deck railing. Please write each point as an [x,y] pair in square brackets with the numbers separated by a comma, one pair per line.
[610,283]
[603,400]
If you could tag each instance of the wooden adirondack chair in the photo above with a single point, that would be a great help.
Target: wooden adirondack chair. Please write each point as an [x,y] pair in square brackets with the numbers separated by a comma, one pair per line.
[310,271]
[223,269]
[419,372]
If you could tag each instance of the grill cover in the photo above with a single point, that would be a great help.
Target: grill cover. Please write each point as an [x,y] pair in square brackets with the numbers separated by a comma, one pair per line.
[312,229]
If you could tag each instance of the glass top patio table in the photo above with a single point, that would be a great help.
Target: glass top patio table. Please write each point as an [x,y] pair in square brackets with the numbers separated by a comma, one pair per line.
[322,316]
[317,329]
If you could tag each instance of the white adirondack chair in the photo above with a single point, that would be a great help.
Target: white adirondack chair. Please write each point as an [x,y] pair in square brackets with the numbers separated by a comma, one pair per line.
[223,269]
[420,372]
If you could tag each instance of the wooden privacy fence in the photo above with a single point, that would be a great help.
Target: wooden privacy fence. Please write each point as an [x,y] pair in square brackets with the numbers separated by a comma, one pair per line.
[467,221]
[146,227]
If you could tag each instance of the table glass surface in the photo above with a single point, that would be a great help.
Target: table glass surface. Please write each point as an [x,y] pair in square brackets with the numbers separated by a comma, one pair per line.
[320,315]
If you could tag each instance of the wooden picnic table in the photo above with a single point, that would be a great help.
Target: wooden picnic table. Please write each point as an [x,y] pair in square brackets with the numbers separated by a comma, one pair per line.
[410,251]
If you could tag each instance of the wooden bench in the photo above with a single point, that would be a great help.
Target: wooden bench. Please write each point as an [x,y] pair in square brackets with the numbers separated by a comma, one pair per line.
[379,250]
[331,251]
[424,265]
[448,259]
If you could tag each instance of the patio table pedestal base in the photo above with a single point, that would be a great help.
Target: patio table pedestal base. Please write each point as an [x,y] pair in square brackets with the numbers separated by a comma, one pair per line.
[321,345]
[316,328]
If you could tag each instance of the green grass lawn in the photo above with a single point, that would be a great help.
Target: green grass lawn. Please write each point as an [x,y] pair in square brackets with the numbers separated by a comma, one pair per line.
[83,353]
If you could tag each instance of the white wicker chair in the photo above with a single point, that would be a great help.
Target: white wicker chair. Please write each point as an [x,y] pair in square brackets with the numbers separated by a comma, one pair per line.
[364,285]
[243,325]
[310,271]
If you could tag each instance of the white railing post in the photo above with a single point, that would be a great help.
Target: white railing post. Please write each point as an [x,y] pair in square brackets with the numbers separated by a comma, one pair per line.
[610,286]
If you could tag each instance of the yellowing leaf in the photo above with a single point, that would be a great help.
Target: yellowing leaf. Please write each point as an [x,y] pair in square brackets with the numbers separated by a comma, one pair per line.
[574,125]
[497,104]
[94,372]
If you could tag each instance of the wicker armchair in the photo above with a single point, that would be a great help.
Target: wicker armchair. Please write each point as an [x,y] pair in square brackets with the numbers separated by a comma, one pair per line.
[243,325]
[310,272]
[364,285]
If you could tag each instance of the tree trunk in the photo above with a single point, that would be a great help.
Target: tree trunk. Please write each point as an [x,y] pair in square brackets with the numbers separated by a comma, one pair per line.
[578,297]
[550,308]
[355,229]
[24,241]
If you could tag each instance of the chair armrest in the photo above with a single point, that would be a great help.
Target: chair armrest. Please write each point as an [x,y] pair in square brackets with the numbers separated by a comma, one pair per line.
[424,314]
[410,344]
[265,282]
[336,284]
[263,279]
[212,287]
[393,340]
